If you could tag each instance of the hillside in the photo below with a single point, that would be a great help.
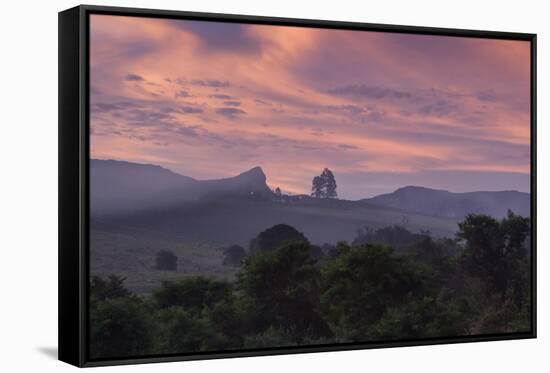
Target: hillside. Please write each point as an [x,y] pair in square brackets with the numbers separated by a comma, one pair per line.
[454,205]
[137,210]
[155,203]
[119,188]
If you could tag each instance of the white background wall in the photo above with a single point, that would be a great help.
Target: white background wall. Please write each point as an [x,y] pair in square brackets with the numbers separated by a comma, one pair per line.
[28,185]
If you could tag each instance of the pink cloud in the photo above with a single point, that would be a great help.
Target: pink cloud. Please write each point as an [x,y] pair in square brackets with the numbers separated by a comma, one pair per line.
[166,92]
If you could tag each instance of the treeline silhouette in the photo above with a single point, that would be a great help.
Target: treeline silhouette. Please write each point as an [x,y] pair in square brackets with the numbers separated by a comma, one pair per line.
[287,294]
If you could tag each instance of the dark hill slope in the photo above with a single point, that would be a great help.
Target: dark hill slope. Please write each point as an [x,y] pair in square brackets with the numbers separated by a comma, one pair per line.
[454,205]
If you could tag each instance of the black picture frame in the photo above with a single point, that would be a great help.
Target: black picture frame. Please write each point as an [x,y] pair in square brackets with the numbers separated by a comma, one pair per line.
[74,184]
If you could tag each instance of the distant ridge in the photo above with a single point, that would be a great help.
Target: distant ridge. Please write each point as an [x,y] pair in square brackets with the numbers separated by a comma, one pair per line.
[121,187]
[447,204]
[136,169]
[154,202]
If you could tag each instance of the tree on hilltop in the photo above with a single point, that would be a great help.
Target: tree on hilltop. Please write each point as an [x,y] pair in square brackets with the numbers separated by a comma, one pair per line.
[324,185]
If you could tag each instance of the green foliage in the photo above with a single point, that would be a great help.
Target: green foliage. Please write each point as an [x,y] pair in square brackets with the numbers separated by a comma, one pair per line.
[233,256]
[180,330]
[113,287]
[120,327]
[288,294]
[498,316]
[272,337]
[421,245]
[362,283]
[227,318]
[282,290]
[192,293]
[276,236]
[395,236]
[494,251]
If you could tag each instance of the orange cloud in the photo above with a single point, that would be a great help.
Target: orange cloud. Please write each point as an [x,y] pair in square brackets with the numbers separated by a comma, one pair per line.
[211,100]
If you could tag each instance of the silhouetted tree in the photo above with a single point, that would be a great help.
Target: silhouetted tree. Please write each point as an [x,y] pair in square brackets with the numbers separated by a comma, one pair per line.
[278,192]
[120,327]
[317,189]
[324,186]
[494,250]
[166,261]
[274,237]
[362,282]
[330,183]
[290,292]
[233,256]
[316,253]
[282,289]
[113,287]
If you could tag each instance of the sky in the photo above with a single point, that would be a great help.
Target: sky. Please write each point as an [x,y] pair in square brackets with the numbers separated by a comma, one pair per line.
[381,110]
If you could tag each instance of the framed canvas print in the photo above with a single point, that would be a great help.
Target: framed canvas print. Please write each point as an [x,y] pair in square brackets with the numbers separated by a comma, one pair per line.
[238,186]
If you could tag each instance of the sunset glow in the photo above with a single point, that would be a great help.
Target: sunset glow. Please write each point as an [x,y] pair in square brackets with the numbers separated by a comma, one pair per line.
[382,110]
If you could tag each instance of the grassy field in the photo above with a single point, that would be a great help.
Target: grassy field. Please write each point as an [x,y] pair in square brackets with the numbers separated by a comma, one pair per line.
[128,246]
[225,222]
[134,258]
